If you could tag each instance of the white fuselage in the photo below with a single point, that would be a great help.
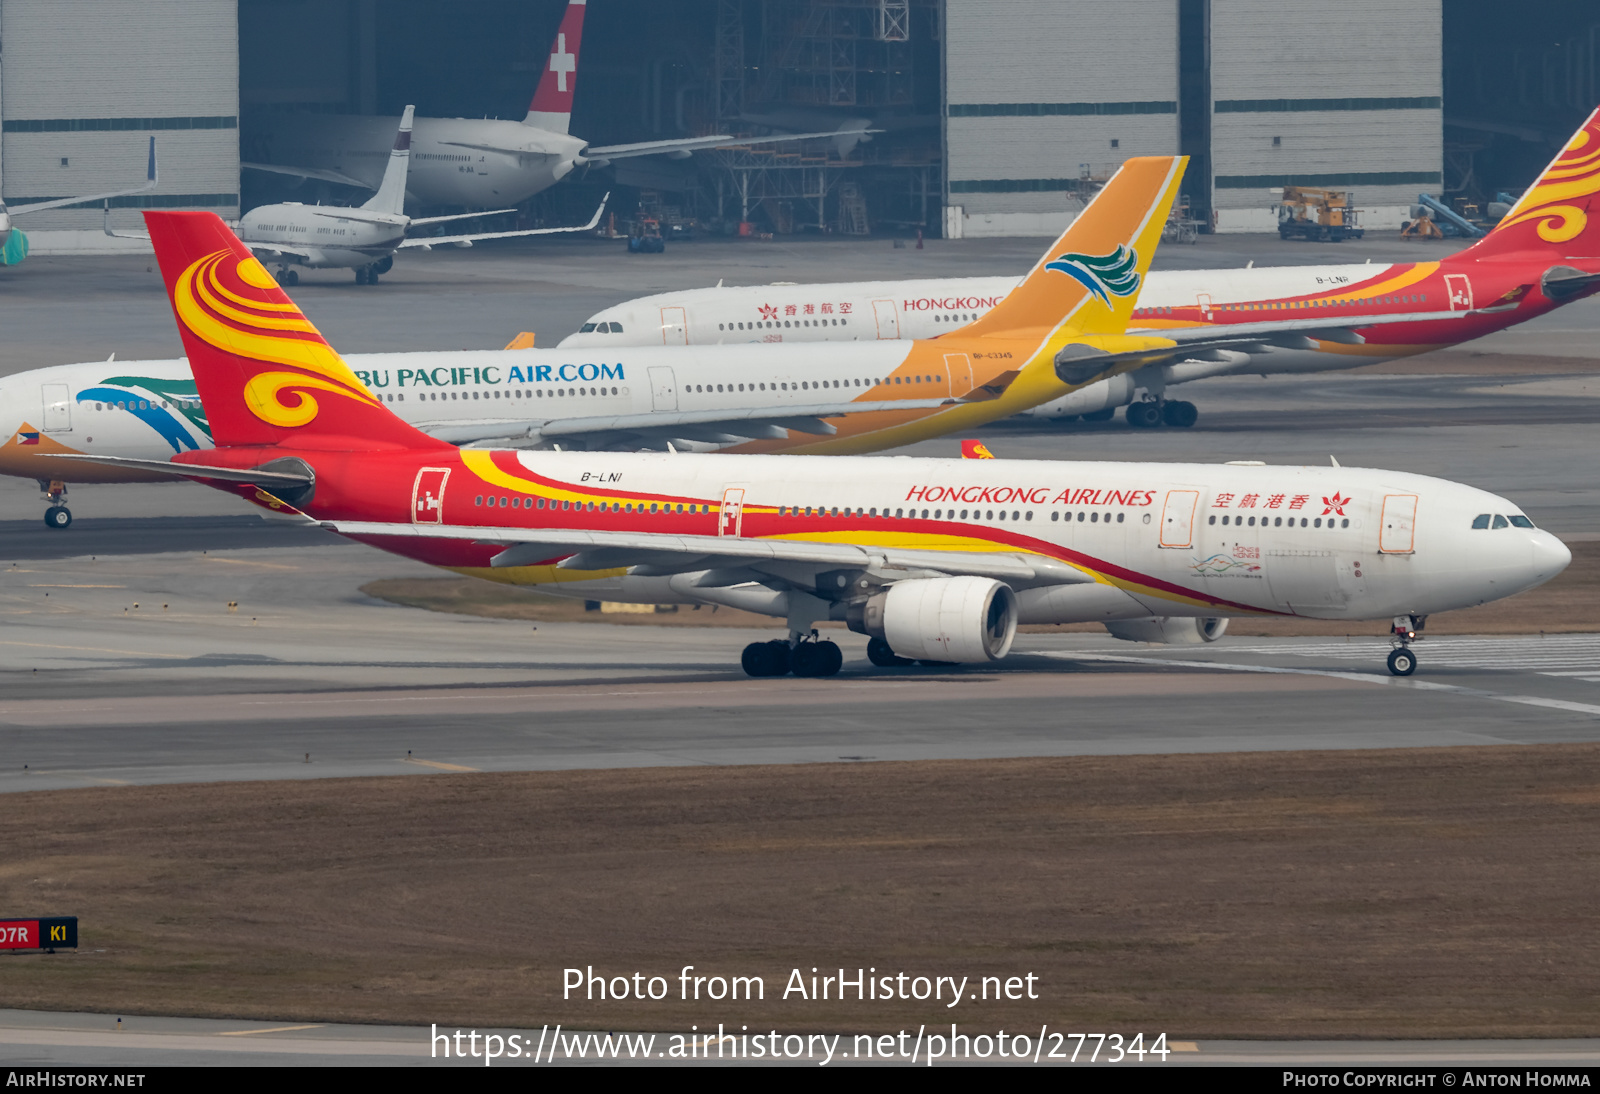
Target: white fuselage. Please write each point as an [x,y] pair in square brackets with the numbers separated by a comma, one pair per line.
[150,409]
[1160,539]
[887,310]
[472,162]
[327,239]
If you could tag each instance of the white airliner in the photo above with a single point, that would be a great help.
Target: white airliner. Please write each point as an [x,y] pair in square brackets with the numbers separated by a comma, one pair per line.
[364,239]
[16,249]
[1520,270]
[474,162]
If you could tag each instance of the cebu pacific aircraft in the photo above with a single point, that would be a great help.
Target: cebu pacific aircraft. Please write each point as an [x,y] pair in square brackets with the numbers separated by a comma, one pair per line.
[936,560]
[475,162]
[1062,328]
[1542,255]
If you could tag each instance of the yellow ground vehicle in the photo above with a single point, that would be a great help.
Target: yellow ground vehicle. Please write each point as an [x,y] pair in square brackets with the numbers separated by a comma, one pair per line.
[1319,215]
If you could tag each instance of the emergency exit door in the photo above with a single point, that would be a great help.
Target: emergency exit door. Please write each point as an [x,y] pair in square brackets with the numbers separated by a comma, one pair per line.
[959,366]
[887,318]
[427,495]
[57,408]
[1397,533]
[663,388]
[730,518]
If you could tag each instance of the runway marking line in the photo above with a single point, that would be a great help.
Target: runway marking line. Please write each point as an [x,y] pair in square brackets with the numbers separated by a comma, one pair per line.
[98,649]
[436,765]
[31,586]
[247,562]
[274,1029]
[1361,677]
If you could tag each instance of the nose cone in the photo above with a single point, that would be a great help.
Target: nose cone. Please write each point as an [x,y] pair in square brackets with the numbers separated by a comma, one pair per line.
[1549,557]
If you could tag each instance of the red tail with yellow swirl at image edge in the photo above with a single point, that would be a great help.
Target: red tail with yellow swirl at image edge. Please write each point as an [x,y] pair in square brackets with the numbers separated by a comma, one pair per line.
[266,376]
[1560,211]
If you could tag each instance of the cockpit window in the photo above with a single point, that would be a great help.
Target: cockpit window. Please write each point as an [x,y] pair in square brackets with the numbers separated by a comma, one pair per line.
[587,328]
[616,328]
[1481,521]
[1519,521]
[1501,522]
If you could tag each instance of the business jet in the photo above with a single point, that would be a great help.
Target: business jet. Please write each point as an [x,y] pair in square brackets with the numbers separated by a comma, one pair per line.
[14,245]
[474,162]
[934,560]
[364,239]
[1541,256]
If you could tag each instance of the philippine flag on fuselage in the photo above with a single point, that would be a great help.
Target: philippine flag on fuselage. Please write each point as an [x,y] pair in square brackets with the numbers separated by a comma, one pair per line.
[27,438]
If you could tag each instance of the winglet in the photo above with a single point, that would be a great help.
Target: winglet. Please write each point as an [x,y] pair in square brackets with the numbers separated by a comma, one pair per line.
[1089,279]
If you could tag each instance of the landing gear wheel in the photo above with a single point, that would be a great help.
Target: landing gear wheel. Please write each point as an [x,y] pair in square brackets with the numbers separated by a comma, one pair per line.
[1144,415]
[1402,662]
[816,659]
[1100,415]
[1179,414]
[881,654]
[361,275]
[58,516]
[372,275]
[765,658]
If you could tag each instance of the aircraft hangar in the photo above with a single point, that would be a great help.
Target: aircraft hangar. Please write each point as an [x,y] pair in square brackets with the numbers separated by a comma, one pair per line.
[990,119]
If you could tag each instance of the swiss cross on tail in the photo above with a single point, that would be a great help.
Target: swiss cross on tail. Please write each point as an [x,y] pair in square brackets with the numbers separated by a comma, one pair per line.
[552,100]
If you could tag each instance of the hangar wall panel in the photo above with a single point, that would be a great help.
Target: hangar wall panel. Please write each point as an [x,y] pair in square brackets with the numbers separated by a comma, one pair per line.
[1352,90]
[90,81]
[1036,91]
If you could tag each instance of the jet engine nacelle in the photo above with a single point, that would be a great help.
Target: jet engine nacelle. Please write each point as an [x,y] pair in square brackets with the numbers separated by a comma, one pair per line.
[1169,630]
[970,620]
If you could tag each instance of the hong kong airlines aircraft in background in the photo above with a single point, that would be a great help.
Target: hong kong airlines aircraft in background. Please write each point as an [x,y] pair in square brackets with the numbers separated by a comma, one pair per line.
[936,560]
[479,163]
[1544,254]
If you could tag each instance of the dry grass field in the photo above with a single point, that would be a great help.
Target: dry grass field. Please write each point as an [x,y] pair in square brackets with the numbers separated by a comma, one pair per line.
[1381,894]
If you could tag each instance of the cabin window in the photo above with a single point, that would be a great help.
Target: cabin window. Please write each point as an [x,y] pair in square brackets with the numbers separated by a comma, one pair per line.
[1345,523]
[1120,516]
[1030,515]
[1213,520]
[478,500]
[1317,523]
[1094,518]
[1055,516]
[541,503]
[963,514]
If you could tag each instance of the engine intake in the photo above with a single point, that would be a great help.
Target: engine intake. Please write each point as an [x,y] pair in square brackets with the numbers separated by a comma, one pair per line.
[969,620]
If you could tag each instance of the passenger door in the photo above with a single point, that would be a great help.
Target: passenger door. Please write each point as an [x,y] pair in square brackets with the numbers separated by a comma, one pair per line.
[57,408]
[427,495]
[887,318]
[674,327]
[1397,529]
[959,366]
[663,388]
[1177,518]
[730,517]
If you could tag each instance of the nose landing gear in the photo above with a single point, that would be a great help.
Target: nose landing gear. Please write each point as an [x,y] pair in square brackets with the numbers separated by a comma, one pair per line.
[1402,659]
[58,515]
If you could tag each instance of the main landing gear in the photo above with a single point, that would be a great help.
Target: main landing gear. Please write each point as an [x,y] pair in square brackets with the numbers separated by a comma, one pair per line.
[1402,659]
[58,515]
[1154,413]
[806,657]
[366,275]
[286,276]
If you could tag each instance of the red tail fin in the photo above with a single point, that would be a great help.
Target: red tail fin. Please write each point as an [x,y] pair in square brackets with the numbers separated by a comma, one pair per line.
[1559,213]
[552,101]
[264,373]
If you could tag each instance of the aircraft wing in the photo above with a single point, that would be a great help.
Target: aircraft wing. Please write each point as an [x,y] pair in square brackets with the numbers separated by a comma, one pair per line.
[662,553]
[700,144]
[309,173]
[1075,363]
[458,216]
[269,253]
[654,430]
[258,476]
[430,242]
[152,177]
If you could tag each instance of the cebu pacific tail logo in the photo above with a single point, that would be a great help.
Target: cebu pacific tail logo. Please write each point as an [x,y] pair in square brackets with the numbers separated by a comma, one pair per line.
[1554,200]
[1114,274]
[233,304]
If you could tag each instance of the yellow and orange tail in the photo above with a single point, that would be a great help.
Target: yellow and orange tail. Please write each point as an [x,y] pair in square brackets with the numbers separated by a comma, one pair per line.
[264,373]
[1090,279]
[1559,212]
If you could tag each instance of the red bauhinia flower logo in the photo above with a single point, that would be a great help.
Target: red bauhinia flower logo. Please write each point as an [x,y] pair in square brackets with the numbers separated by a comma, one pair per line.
[768,311]
[1335,504]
